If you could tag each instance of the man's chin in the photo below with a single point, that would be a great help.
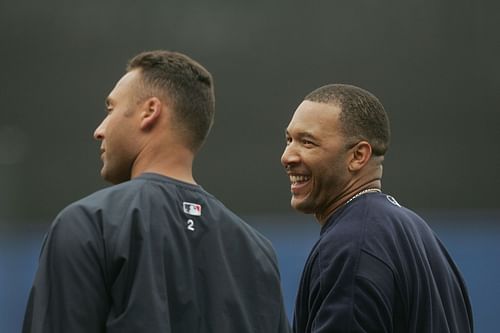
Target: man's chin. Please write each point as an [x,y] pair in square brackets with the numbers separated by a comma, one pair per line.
[107,176]
[302,206]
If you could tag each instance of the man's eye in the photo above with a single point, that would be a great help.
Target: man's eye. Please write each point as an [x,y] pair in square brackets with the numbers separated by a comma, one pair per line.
[307,143]
[288,141]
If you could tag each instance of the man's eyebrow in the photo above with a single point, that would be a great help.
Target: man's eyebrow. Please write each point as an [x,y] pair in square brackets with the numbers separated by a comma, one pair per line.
[302,135]
[305,134]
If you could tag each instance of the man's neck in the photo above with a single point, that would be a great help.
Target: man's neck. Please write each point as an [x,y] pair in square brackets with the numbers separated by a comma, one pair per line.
[173,163]
[354,189]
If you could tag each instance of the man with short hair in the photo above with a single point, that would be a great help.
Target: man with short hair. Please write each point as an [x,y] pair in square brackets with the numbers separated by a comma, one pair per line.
[156,252]
[377,266]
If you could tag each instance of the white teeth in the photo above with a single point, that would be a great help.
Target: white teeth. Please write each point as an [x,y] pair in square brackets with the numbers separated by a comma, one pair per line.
[297,179]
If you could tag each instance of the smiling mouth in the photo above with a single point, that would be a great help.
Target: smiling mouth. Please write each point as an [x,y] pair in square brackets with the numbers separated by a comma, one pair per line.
[298,182]
[299,179]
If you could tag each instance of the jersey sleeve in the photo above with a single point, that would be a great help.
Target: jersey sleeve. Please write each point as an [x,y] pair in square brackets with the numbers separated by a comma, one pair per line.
[69,291]
[354,294]
[373,297]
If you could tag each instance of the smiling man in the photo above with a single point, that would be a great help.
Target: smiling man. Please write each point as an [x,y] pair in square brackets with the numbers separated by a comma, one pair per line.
[155,252]
[377,266]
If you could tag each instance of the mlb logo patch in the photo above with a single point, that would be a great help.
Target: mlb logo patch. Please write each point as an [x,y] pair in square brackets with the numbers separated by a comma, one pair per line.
[191,208]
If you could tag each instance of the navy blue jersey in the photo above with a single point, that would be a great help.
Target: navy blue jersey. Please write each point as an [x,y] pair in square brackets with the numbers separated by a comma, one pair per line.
[154,255]
[378,267]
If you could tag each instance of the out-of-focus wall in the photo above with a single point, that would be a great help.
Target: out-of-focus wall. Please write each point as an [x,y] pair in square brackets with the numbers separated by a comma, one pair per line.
[473,240]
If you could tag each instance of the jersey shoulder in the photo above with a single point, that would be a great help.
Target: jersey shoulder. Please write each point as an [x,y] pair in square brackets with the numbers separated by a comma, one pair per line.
[369,223]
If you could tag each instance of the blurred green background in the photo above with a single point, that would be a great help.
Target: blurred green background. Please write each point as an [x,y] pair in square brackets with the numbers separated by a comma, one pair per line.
[433,64]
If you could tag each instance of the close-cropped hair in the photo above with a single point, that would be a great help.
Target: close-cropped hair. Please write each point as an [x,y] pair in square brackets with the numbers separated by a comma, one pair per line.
[362,116]
[186,84]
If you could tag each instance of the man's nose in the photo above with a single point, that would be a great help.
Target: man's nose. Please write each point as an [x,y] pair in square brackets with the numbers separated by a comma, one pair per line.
[99,131]
[290,156]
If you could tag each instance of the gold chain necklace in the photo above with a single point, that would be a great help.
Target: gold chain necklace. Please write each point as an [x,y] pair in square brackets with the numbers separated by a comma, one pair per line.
[368,190]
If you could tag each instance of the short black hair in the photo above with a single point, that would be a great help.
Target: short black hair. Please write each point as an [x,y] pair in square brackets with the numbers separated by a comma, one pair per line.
[188,86]
[362,116]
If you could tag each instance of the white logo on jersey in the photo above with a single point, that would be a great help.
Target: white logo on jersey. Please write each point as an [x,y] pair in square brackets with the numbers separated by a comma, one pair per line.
[191,208]
[393,201]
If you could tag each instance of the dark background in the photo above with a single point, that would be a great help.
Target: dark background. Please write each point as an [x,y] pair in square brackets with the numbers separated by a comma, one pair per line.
[434,64]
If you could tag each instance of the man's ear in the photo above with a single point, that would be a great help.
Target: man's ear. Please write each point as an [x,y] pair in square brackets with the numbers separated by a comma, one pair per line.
[360,155]
[151,112]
